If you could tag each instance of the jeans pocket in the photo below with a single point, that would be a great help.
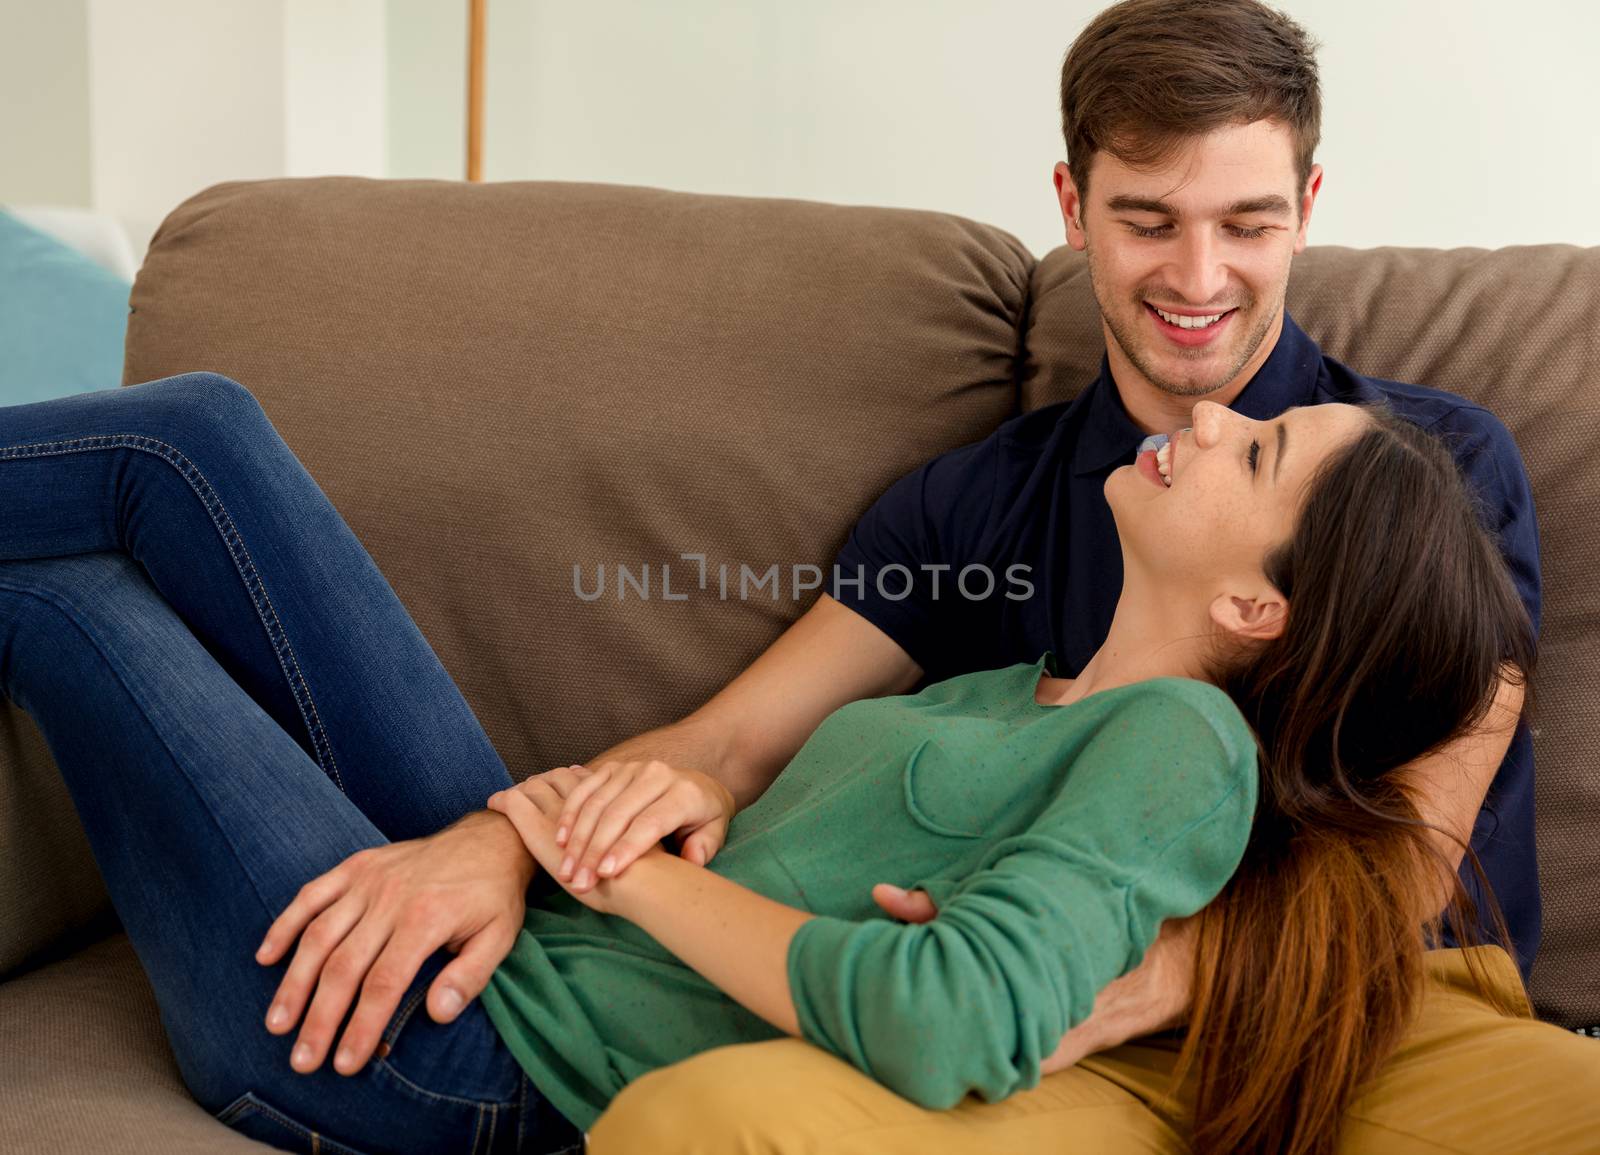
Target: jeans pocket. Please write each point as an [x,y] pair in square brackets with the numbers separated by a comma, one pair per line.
[255,1118]
[462,1062]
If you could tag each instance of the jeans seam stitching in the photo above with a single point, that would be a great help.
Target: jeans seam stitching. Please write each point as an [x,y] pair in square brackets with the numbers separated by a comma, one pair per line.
[281,1119]
[479,1103]
[246,567]
[522,1109]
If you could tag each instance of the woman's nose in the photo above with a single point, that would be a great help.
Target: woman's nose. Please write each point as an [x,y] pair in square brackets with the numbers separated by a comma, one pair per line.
[1210,422]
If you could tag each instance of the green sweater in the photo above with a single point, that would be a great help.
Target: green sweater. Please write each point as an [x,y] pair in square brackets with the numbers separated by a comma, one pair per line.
[1054,839]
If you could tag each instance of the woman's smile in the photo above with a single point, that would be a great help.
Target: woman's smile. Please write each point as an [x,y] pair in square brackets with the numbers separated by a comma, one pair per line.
[1148,468]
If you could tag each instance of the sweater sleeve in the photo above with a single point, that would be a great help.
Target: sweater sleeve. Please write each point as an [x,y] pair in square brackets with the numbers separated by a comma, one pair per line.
[1150,822]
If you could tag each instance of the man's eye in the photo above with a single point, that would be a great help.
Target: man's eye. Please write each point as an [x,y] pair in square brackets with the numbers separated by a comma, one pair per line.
[1153,231]
[1255,452]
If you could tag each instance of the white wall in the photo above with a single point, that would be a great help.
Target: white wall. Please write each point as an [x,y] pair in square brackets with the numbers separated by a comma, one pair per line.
[44,102]
[1467,123]
[1463,123]
[335,73]
[184,93]
[427,54]
[131,106]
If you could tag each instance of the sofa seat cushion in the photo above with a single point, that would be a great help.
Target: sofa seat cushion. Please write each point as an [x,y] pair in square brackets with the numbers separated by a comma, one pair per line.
[86,1066]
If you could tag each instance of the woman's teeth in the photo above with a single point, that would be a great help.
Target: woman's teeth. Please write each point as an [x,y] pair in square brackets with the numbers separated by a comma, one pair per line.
[1189,322]
[1160,443]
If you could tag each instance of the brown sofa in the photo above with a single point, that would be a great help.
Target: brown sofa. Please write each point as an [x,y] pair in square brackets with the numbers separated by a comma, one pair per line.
[496,382]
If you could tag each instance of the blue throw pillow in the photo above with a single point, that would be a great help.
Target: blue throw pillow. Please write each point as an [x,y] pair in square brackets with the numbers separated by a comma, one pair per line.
[62,318]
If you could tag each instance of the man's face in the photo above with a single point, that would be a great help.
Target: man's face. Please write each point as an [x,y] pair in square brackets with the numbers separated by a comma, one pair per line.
[1213,231]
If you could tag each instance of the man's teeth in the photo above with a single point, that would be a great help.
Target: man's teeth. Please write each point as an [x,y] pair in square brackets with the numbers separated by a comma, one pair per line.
[1164,463]
[1189,322]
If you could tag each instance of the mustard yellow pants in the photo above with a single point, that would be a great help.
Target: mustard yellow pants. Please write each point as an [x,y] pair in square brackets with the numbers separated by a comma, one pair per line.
[1466,1079]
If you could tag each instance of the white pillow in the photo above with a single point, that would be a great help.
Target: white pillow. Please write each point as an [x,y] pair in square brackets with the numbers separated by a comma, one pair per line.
[96,235]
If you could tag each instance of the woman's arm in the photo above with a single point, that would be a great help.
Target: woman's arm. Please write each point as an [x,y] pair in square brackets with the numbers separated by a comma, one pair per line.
[1152,825]
[737,939]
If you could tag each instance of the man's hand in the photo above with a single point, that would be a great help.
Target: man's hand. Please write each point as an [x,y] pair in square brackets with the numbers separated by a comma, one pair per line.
[1152,997]
[372,921]
[906,905]
[622,809]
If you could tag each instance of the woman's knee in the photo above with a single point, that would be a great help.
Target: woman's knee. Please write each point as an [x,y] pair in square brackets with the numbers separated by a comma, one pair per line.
[203,402]
[211,430]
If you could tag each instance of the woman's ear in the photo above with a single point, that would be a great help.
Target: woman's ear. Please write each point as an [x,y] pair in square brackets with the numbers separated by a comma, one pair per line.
[1260,617]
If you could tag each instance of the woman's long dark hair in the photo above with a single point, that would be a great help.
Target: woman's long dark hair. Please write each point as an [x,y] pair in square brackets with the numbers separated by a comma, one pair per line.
[1402,622]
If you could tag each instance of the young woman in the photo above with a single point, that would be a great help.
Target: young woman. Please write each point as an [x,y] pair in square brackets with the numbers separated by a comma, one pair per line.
[238,703]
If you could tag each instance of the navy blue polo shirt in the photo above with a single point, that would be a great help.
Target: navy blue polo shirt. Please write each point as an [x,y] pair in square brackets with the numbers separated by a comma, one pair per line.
[1026,508]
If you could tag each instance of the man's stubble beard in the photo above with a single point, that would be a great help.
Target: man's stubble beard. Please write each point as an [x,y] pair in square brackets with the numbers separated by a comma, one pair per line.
[1130,349]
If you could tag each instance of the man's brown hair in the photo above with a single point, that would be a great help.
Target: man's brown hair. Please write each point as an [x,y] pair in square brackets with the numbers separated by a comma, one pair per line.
[1147,75]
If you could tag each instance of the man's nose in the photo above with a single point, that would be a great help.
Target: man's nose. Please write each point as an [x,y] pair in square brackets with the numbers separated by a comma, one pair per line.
[1200,274]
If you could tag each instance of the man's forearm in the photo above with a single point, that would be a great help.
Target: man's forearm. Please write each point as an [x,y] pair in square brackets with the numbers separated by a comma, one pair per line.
[496,830]
[1449,787]
[693,744]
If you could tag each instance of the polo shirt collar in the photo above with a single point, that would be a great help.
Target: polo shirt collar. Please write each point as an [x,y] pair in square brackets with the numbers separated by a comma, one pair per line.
[1108,436]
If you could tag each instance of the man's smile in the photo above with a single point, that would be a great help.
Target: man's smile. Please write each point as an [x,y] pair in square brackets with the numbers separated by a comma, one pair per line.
[1186,328]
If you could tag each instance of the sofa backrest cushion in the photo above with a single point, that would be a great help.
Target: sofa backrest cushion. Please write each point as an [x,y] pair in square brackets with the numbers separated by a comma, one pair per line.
[497,382]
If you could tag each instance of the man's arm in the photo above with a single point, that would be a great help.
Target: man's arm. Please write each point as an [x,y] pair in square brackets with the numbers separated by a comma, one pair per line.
[747,732]
[1451,784]
[690,777]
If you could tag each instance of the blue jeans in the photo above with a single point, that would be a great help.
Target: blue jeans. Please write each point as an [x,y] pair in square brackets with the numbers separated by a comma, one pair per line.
[237,702]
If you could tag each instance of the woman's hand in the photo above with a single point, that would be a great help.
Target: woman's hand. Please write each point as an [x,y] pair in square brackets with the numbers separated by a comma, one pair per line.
[621,810]
[534,807]
[372,921]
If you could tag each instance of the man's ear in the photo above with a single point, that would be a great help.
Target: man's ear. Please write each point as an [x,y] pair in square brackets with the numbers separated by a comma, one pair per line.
[1071,205]
[1259,617]
[1308,199]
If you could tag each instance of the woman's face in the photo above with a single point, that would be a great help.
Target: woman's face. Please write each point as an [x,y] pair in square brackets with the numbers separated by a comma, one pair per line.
[1236,490]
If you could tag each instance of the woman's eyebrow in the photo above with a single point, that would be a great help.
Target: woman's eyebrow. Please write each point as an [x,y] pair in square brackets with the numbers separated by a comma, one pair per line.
[1283,445]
